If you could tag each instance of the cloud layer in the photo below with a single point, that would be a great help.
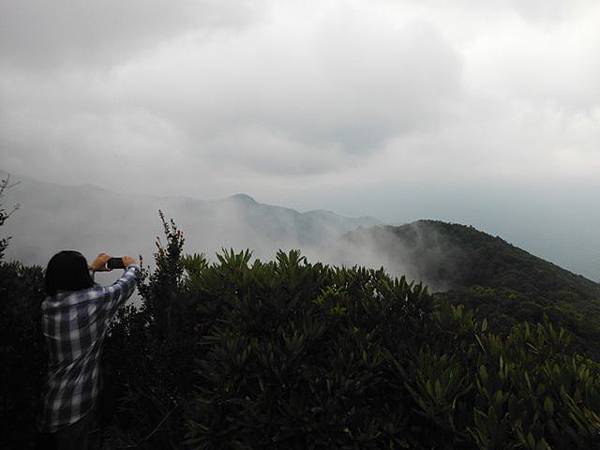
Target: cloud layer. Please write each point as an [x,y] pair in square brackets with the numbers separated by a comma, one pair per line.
[306,104]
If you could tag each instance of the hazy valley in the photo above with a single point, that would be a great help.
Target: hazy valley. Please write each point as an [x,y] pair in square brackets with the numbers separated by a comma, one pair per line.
[307,337]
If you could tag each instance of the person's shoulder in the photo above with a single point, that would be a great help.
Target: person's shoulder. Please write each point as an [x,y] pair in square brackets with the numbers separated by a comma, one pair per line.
[73,298]
[93,293]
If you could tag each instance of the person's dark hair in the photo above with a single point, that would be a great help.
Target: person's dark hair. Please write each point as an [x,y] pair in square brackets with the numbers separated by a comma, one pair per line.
[67,271]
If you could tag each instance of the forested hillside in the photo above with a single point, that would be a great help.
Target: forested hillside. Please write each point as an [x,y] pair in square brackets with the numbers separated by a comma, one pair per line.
[504,283]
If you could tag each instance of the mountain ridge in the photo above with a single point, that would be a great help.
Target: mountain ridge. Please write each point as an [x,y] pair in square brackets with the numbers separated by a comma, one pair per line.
[54,216]
[502,282]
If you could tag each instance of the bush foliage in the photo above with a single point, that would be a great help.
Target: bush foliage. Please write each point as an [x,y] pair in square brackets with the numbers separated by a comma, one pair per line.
[288,354]
[243,354]
[502,283]
[22,353]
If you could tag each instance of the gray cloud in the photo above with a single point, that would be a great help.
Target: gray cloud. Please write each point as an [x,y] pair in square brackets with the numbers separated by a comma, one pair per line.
[337,90]
[307,104]
[37,34]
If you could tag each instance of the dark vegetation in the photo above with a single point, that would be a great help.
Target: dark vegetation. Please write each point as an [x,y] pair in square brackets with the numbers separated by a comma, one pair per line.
[22,351]
[288,354]
[502,283]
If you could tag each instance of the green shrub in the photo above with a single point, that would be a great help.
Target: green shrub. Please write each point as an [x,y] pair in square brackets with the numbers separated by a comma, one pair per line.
[294,355]
[288,354]
[22,353]
[242,353]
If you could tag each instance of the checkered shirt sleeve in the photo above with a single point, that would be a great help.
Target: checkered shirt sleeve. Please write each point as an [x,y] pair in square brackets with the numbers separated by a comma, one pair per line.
[75,325]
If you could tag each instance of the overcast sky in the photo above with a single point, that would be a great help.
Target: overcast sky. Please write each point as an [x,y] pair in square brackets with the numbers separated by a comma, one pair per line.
[364,107]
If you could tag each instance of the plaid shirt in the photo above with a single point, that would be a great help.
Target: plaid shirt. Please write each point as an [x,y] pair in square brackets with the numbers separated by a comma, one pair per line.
[75,325]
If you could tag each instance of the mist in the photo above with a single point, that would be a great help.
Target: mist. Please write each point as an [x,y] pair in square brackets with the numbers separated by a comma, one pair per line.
[483,115]
[54,217]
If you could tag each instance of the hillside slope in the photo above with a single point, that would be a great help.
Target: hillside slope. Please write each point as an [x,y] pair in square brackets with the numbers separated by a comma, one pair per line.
[504,282]
[459,255]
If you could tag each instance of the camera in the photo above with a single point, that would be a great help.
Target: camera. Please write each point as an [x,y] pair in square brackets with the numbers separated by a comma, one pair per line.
[115,263]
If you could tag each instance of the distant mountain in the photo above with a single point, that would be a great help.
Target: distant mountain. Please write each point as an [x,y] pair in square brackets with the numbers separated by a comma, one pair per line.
[505,283]
[455,255]
[54,217]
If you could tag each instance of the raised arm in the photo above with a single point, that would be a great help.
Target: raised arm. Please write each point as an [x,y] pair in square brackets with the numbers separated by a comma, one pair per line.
[121,290]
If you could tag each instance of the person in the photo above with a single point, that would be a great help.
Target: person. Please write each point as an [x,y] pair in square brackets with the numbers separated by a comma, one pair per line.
[76,315]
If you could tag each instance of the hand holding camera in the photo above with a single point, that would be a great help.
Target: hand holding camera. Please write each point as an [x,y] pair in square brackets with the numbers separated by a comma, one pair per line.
[105,263]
